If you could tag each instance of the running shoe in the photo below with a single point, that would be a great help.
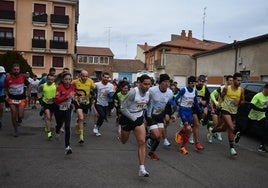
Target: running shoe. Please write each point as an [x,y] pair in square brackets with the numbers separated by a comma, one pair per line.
[198,146]
[210,135]
[143,173]
[81,137]
[191,139]
[81,141]
[237,137]
[68,150]
[49,135]
[178,138]
[218,137]
[166,142]
[149,143]
[184,151]
[153,156]
[233,152]
[95,129]
[98,134]
[262,149]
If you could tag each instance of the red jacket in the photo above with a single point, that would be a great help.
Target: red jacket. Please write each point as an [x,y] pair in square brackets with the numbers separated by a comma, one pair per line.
[63,94]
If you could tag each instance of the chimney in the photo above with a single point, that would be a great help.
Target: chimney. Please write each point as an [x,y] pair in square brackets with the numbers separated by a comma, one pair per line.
[190,35]
[145,44]
[183,35]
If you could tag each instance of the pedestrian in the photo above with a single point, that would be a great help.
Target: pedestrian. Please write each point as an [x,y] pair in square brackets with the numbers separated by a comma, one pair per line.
[46,95]
[161,101]
[65,95]
[2,92]
[188,104]
[132,118]
[105,91]
[83,85]
[16,85]
[257,116]
[34,87]
[231,97]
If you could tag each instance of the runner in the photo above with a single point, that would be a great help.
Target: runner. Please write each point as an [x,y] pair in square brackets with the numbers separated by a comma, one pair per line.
[105,90]
[34,87]
[231,97]
[83,85]
[15,88]
[257,116]
[2,92]
[188,101]
[46,94]
[160,97]
[215,110]
[65,95]
[132,109]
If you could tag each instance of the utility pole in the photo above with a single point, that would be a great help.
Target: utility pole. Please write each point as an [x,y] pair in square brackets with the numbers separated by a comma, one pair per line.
[204,17]
[109,33]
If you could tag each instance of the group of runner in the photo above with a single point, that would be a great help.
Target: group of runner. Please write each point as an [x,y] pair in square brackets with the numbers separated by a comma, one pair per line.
[145,109]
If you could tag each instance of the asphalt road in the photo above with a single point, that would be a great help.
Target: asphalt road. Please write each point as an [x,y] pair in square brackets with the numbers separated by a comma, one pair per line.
[32,161]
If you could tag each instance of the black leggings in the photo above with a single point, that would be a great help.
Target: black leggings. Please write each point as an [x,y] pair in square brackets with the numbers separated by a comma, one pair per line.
[261,124]
[64,117]
[102,111]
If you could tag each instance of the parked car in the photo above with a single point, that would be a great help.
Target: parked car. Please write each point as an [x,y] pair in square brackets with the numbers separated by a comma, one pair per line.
[251,88]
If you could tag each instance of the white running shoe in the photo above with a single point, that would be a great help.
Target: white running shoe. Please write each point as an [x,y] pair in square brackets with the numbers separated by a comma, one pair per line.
[166,142]
[191,139]
[143,173]
[95,129]
[68,150]
[98,134]
[218,137]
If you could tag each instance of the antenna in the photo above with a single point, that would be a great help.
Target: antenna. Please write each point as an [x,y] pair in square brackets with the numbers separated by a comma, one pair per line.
[204,17]
[109,32]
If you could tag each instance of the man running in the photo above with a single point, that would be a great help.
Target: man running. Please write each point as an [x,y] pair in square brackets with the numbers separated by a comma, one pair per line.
[105,90]
[46,94]
[15,88]
[83,85]
[232,96]
[160,97]
[132,118]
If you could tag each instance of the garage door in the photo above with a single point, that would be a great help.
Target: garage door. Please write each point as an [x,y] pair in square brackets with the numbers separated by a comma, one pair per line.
[181,80]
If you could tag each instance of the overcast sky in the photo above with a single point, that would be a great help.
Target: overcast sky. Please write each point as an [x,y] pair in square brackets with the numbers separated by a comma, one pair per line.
[122,24]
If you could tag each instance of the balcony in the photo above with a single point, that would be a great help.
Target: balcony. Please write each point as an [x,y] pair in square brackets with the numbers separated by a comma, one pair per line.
[59,21]
[58,46]
[39,19]
[7,16]
[6,43]
[38,45]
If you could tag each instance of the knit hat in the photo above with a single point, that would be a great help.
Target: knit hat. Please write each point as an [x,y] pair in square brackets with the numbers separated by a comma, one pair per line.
[163,77]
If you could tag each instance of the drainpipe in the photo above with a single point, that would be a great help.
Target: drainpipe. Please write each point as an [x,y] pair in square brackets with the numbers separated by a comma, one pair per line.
[236,55]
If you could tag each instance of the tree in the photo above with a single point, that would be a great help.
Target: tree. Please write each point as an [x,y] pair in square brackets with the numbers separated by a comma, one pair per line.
[12,57]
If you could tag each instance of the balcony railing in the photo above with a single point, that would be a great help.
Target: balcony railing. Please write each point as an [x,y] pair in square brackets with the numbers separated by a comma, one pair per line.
[7,15]
[6,41]
[39,18]
[59,19]
[38,43]
[58,44]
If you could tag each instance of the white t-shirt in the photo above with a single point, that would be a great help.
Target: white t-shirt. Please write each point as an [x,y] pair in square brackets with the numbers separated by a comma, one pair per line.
[103,92]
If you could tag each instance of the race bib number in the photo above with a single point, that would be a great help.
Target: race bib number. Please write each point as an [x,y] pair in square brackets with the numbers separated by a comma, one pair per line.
[83,99]
[14,101]
[64,107]
[50,101]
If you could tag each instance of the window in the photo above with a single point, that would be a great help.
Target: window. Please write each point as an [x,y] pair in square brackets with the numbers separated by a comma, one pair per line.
[7,5]
[58,36]
[39,9]
[6,32]
[82,59]
[39,34]
[90,59]
[59,10]
[38,61]
[106,60]
[101,60]
[57,62]
[96,60]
